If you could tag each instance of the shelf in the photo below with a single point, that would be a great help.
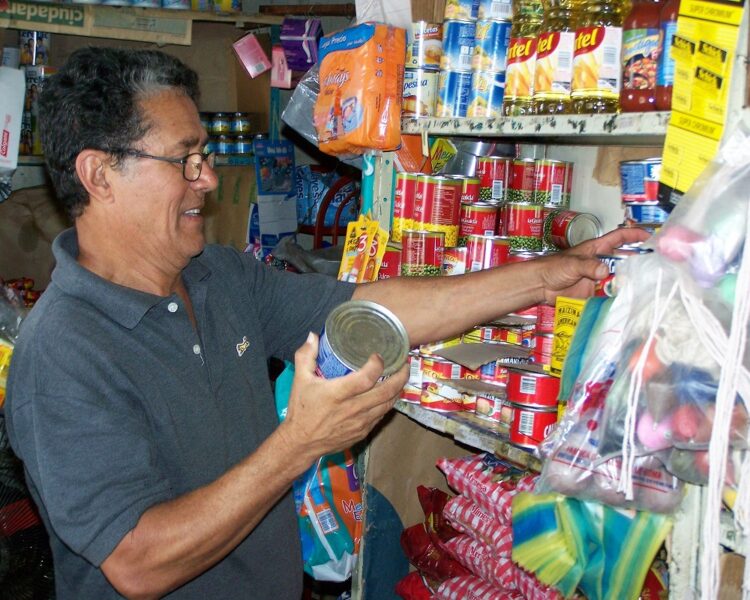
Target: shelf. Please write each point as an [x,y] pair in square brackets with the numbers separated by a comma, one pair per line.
[160,26]
[642,129]
[472,431]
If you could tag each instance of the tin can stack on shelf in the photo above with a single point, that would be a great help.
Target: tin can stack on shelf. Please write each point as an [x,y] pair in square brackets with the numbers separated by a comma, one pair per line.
[640,185]
[230,132]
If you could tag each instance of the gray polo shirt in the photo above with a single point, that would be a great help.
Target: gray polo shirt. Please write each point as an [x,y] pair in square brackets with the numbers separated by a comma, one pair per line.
[115,403]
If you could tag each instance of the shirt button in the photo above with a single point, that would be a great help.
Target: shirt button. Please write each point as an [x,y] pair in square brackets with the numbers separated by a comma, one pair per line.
[196,349]
[172,307]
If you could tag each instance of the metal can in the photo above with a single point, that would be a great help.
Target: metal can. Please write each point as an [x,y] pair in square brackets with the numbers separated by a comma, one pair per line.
[353,331]
[567,228]
[454,88]
[458,45]
[640,180]
[422,253]
[243,145]
[486,251]
[517,256]
[522,180]
[494,173]
[532,386]
[220,123]
[545,318]
[485,333]
[436,395]
[403,203]
[426,47]
[494,372]
[434,367]
[501,10]
[412,391]
[491,46]
[606,287]
[224,144]
[420,91]
[487,91]
[550,177]
[240,123]
[464,10]
[479,218]
[492,407]
[524,225]
[469,188]
[648,212]
[530,426]
[437,206]
[391,263]
[542,354]
[454,261]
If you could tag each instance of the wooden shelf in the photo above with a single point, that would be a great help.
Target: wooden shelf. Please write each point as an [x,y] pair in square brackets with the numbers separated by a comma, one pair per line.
[642,129]
[472,431]
[156,25]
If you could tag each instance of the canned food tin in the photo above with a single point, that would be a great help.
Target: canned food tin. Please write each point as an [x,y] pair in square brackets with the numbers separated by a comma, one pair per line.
[479,218]
[420,91]
[355,330]
[469,189]
[440,397]
[225,144]
[454,88]
[525,255]
[220,123]
[522,180]
[567,228]
[606,287]
[454,261]
[403,203]
[434,368]
[491,46]
[458,45]
[486,99]
[432,347]
[486,251]
[412,391]
[550,177]
[647,212]
[240,123]
[426,47]
[206,119]
[243,145]
[465,10]
[524,225]
[640,180]
[212,145]
[494,173]
[486,333]
[468,402]
[495,9]
[494,372]
[532,386]
[437,206]
[391,263]
[492,407]
[422,253]
[530,426]
[542,355]
[518,335]
[545,318]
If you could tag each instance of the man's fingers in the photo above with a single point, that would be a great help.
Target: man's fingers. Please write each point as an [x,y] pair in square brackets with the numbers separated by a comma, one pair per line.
[305,358]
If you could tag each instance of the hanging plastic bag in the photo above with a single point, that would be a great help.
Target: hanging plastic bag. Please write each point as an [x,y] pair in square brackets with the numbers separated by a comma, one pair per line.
[328,501]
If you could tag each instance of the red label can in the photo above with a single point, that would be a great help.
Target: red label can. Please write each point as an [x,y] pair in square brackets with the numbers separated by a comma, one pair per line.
[524,225]
[494,175]
[470,189]
[522,179]
[543,349]
[422,253]
[479,218]
[545,318]
[391,264]
[486,251]
[530,426]
[403,204]
[533,388]
[454,261]
[523,255]
[567,228]
[440,200]
[550,177]
[434,368]
[492,407]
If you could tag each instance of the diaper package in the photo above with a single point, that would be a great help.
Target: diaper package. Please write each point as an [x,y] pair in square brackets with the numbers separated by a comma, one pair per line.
[361,81]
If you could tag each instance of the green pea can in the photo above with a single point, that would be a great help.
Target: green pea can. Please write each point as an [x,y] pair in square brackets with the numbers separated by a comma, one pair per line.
[422,253]
[524,225]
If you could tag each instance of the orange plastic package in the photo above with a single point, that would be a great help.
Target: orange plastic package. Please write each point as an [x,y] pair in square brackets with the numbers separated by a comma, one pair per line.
[361,84]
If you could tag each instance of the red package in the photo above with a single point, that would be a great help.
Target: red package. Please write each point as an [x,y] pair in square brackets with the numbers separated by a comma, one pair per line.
[413,587]
[471,587]
[433,501]
[479,559]
[467,517]
[532,588]
[432,561]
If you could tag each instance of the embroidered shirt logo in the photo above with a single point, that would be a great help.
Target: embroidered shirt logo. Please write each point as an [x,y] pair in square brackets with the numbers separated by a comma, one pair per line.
[242,346]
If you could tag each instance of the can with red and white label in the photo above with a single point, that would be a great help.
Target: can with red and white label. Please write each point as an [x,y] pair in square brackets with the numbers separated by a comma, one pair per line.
[492,407]
[434,368]
[543,349]
[522,180]
[550,181]
[454,261]
[391,263]
[403,203]
[494,372]
[486,251]
[494,173]
[524,225]
[436,395]
[567,228]
[545,318]
[530,426]
[469,189]
[532,386]
[422,253]
[479,218]
[437,206]
[412,391]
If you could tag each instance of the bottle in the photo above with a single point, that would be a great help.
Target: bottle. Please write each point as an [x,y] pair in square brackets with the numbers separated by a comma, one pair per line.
[554,59]
[640,51]
[665,67]
[597,73]
[521,57]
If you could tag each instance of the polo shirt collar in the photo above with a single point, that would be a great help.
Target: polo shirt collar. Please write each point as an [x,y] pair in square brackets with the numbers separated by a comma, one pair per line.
[122,304]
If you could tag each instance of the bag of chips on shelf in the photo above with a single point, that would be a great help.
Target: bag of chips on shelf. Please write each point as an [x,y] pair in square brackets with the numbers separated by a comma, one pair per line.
[469,518]
[476,588]
[480,560]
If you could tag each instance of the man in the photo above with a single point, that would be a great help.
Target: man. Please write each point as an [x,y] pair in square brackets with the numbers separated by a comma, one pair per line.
[138,396]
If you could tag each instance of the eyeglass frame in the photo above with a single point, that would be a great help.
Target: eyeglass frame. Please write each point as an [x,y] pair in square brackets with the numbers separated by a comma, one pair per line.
[205,158]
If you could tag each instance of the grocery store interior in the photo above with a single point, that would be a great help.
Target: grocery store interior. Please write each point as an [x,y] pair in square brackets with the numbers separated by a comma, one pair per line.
[446,157]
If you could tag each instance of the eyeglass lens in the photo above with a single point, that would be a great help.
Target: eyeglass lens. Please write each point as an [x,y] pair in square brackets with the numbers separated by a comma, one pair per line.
[194,164]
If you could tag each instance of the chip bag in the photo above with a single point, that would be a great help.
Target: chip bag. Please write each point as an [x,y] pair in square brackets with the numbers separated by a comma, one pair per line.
[361,85]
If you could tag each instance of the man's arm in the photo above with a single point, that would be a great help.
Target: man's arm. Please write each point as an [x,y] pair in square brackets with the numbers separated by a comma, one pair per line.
[178,540]
[435,308]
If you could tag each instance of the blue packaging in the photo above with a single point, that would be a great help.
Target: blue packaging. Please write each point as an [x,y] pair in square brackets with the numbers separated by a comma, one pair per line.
[329,365]
[640,179]
[461,9]
[491,46]
[458,45]
[486,97]
[647,212]
[454,90]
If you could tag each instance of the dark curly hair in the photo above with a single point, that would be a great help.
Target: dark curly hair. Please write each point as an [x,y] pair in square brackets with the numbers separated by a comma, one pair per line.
[94,102]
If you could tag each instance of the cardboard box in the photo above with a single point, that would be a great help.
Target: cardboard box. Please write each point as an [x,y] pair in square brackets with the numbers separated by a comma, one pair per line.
[12,90]
[431,11]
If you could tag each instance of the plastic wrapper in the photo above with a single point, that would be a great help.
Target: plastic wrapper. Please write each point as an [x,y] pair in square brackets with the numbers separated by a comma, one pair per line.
[413,587]
[361,75]
[467,517]
[480,560]
[471,587]
[532,588]
[312,184]
[641,414]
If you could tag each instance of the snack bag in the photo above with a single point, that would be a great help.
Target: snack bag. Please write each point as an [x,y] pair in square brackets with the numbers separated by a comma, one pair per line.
[361,83]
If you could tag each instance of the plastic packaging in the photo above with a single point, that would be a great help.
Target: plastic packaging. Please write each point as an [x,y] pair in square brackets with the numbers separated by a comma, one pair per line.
[522,48]
[554,63]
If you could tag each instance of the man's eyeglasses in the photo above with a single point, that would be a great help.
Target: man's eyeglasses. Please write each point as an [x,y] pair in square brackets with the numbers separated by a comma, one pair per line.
[192,164]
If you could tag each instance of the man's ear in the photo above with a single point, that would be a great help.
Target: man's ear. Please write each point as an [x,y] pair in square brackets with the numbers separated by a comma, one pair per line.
[93,168]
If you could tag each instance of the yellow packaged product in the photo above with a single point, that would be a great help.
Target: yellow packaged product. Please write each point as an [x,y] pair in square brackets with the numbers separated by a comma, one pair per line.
[374,256]
[361,86]
[364,243]
[354,231]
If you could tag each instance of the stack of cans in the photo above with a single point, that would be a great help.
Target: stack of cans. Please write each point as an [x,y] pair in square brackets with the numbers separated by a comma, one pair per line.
[640,187]
[423,56]
[230,133]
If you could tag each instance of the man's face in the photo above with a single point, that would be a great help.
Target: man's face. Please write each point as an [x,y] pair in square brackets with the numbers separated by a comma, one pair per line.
[156,207]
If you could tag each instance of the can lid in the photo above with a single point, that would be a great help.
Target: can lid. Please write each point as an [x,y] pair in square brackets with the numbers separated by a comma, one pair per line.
[582,227]
[359,328]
